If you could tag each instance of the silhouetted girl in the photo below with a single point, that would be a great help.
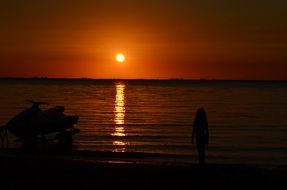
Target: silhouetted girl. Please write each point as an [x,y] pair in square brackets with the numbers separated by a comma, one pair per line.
[200,131]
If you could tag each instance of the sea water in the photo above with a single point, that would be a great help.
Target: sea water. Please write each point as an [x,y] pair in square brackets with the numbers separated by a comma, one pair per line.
[247,119]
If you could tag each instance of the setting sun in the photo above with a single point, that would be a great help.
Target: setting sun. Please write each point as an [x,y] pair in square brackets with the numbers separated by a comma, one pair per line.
[120,58]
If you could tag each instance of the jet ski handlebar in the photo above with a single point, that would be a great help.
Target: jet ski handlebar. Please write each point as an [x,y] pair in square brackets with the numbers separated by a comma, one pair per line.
[36,103]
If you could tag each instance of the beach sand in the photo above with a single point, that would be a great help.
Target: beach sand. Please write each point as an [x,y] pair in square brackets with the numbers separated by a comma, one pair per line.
[42,169]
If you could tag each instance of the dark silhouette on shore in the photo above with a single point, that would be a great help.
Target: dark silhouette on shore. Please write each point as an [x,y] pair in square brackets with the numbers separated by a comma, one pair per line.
[200,133]
[32,123]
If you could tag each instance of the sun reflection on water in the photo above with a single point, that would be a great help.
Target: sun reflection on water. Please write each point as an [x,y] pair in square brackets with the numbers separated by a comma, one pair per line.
[119,119]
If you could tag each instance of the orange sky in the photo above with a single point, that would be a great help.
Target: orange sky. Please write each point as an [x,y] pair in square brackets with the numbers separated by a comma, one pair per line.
[161,39]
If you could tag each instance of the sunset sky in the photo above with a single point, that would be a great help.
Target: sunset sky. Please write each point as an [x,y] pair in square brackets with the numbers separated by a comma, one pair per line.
[189,39]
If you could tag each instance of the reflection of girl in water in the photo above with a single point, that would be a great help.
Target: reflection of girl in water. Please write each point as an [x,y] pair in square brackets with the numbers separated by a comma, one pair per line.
[200,131]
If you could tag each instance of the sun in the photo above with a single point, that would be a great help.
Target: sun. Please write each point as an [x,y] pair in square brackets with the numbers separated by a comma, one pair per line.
[120,58]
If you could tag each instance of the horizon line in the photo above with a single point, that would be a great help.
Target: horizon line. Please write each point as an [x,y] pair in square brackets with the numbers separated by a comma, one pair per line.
[147,79]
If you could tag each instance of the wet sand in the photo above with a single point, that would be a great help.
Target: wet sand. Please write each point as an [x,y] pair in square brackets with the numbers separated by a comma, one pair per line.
[58,169]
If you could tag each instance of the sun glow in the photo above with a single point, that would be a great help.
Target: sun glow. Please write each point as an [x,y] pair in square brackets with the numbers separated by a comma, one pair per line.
[120,58]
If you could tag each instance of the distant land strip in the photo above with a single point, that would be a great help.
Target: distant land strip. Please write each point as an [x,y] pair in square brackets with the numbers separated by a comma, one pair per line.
[138,79]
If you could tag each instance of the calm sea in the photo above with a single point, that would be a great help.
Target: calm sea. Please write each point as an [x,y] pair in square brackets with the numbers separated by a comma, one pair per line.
[247,120]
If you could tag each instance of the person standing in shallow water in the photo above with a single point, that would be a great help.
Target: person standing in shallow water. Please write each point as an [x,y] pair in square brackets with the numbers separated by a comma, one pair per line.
[200,132]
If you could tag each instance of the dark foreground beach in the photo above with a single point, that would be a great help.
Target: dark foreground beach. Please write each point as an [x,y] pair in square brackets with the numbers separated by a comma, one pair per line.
[45,169]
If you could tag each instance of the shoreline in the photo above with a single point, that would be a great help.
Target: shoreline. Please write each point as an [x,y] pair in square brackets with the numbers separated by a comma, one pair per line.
[59,153]
[109,170]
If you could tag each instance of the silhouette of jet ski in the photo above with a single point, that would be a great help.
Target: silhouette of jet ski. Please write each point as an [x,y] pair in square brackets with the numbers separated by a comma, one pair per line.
[34,122]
